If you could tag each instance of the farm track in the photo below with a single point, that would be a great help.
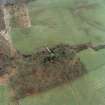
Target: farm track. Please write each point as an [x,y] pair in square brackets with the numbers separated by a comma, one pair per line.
[5,36]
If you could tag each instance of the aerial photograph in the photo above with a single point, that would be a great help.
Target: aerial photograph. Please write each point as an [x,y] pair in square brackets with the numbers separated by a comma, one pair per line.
[52,52]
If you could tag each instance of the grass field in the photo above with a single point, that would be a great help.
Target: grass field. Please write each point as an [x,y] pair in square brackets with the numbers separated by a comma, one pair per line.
[52,23]
[4,96]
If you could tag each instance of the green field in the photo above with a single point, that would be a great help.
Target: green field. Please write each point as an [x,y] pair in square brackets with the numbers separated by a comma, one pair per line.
[52,23]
